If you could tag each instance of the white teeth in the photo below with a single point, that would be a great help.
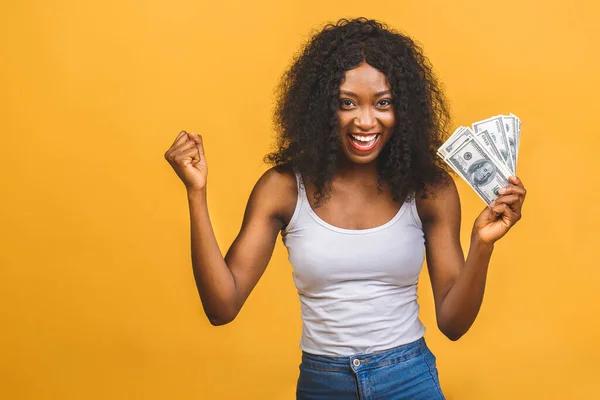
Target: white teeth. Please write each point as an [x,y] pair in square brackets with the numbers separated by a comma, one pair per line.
[364,138]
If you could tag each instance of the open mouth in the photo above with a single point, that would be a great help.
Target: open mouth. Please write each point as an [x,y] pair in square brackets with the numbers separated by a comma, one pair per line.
[363,143]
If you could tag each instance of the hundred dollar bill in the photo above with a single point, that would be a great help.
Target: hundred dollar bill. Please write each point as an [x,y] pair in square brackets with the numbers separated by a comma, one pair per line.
[480,169]
[518,134]
[510,127]
[495,128]
[486,140]
[461,134]
[454,141]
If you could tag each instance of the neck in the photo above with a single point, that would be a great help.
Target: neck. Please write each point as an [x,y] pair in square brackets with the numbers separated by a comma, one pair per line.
[349,171]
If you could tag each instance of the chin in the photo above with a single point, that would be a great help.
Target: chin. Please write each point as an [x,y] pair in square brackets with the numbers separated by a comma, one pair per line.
[362,160]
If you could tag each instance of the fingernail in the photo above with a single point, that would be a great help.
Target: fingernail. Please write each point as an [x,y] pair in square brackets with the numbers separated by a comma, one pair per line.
[502,190]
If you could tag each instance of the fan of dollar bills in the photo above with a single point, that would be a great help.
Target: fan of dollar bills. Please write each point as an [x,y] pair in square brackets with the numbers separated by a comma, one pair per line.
[487,155]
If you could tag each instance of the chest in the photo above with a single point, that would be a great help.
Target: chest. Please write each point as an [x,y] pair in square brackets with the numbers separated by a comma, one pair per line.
[348,208]
[324,259]
[325,256]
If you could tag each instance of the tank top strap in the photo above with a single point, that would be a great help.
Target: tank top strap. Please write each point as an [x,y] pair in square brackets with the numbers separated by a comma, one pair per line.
[299,202]
[299,182]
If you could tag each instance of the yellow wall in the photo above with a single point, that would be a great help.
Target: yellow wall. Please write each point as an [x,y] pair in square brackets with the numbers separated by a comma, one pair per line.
[97,299]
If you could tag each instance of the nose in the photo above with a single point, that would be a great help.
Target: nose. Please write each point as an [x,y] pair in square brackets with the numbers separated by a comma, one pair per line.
[365,119]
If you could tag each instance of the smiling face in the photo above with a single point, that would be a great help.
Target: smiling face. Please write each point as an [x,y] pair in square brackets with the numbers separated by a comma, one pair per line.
[365,113]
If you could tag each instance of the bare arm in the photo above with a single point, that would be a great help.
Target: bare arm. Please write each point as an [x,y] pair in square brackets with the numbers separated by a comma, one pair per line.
[459,285]
[224,284]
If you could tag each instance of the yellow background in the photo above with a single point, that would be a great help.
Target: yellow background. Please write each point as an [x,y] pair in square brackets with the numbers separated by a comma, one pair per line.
[97,299]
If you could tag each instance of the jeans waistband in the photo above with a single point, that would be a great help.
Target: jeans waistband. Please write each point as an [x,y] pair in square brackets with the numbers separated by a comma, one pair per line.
[377,358]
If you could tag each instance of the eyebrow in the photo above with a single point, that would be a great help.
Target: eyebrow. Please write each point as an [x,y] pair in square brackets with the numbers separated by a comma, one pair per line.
[376,94]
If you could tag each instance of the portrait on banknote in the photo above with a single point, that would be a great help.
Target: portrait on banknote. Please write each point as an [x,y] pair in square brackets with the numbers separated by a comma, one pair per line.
[481,172]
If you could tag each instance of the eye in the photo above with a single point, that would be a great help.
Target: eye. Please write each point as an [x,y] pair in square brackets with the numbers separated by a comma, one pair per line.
[346,103]
[384,103]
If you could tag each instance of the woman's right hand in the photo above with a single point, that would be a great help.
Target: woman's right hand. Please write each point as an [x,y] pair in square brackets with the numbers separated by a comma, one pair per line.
[186,156]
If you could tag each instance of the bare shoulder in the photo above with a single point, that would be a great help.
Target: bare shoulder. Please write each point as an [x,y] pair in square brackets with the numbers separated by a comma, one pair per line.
[276,190]
[438,198]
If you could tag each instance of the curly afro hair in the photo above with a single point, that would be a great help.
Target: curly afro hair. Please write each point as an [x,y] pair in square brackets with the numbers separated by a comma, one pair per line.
[306,112]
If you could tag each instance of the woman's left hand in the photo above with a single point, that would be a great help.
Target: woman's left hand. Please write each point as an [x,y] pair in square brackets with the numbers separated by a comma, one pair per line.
[503,213]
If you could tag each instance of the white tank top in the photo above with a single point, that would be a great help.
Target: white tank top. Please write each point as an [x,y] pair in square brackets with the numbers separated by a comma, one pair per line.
[357,288]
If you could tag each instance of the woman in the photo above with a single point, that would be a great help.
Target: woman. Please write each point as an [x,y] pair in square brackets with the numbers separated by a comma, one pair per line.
[359,196]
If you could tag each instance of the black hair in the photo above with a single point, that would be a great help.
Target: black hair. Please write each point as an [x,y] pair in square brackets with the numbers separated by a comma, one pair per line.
[306,112]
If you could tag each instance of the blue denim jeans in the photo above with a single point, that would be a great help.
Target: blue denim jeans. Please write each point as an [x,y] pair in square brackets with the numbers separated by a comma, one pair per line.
[404,372]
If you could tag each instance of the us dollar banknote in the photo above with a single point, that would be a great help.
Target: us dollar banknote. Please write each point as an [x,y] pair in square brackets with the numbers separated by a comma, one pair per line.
[518,134]
[487,142]
[495,127]
[510,128]
[479,169]
[461,134]
[454,141]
